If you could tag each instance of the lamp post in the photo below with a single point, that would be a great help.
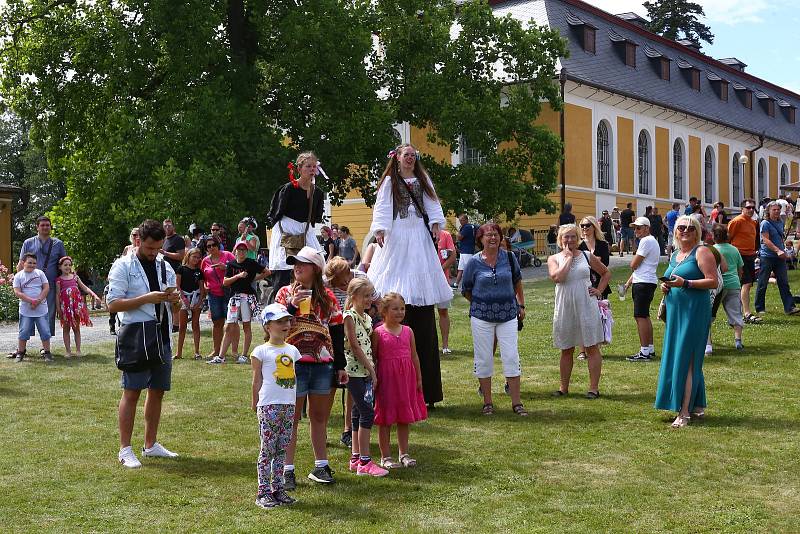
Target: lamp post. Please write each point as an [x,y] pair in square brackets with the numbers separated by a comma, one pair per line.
[742,162]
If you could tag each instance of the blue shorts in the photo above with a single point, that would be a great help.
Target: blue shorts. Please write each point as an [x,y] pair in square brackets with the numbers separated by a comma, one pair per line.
[626,233]
[218,307]
[27,325]
[313,378]
[156,378]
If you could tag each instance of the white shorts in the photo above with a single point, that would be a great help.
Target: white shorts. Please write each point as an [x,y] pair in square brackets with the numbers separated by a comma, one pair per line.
[239,309]
[483,336]
[463,260]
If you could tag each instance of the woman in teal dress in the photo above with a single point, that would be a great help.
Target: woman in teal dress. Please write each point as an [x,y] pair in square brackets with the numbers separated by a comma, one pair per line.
[692,272]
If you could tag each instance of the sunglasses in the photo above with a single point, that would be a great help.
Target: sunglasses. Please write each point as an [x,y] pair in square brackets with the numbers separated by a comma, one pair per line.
[212,245]
[687,229]
[749,207]
[586,226]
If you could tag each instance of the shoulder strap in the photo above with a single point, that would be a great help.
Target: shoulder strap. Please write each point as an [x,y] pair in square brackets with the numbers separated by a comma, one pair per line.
[413,198]
[47,256]
[310,207]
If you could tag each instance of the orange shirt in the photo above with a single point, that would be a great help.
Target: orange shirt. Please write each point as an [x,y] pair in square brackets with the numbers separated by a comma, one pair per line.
[743,234]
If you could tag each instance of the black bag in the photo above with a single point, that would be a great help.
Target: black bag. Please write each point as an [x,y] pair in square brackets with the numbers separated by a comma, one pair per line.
[139,346]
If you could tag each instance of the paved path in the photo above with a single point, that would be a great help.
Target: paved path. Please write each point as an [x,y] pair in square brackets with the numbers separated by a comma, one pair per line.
[91,335]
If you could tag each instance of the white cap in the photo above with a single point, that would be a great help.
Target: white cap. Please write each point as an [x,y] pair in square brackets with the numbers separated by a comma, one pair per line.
[641,221]
[273,312]
[307,255]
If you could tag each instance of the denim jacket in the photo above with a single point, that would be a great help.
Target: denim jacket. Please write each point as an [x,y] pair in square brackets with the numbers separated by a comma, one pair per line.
[127,280]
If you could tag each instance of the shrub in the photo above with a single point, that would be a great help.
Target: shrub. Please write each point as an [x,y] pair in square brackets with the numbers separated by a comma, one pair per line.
[9,304]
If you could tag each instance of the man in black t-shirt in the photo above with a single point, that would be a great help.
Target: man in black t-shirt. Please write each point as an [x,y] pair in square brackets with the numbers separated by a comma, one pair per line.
[625,230]
[243,305]
[173,249]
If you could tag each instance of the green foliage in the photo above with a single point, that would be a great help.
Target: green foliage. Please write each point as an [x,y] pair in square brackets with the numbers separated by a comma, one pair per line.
[192,109]
[678,18]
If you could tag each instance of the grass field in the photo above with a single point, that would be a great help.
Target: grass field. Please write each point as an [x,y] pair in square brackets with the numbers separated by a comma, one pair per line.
[574,465]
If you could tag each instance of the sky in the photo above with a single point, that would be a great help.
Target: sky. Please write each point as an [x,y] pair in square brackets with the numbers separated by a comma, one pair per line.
[757,32]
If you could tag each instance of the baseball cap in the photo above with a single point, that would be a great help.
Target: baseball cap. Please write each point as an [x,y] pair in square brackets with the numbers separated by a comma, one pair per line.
[641,221]
[307,255]
[273,312]
[241,244]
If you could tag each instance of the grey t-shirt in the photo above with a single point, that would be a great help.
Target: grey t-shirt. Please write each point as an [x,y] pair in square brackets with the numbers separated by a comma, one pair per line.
[31,285]
[33,245]
[347,248]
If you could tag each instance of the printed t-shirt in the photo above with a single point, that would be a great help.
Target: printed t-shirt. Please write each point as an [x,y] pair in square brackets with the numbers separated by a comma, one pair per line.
[190,278]
[31,285]
[277,373]
[445,246]
[363,325]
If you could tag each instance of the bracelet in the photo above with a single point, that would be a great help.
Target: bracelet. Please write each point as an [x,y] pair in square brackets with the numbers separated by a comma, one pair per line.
[686,284]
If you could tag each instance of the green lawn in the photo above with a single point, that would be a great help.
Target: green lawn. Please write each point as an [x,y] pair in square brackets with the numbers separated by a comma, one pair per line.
[610,465]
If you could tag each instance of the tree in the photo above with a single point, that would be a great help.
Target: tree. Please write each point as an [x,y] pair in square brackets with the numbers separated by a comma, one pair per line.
[192,109]
[673,18]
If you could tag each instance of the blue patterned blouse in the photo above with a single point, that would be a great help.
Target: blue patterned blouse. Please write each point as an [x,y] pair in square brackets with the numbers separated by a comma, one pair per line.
[493,297]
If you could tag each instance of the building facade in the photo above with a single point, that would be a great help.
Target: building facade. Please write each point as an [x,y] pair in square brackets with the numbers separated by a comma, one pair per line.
[647,120]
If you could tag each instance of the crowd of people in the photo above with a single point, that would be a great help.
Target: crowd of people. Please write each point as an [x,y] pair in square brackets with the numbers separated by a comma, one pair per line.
[337,318]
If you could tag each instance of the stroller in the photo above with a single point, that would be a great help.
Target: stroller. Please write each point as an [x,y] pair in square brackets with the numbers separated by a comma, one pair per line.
[526,250]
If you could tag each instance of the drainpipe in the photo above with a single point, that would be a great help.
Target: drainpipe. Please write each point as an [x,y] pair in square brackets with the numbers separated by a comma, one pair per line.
[753,162]
[562,78]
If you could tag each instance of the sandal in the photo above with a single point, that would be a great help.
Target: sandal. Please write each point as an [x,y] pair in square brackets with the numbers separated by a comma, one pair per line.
[559,393]
[680,421]
[752,319]
[388,463]
[407,461]
[12,355]
[591,395]
[488,409]
[520,410]
[698,414]
[18,355]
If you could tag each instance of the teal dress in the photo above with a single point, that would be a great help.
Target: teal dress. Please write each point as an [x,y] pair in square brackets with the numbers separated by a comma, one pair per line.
[685,336]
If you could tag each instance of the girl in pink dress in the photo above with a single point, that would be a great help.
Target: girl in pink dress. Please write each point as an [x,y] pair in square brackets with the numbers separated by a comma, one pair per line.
[70,306]
[398,396]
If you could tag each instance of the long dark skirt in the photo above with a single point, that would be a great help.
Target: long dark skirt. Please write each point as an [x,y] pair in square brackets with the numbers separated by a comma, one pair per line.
[422,320]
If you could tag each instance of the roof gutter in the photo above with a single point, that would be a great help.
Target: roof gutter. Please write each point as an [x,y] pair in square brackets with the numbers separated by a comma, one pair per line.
[758,135]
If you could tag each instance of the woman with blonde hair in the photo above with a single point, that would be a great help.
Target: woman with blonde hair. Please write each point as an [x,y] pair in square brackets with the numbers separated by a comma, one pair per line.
[296,207]
[576,319]
[406,216]
[692,272]
[594,242]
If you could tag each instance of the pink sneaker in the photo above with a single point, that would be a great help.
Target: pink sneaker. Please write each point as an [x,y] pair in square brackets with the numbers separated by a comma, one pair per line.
[354,464]
[372,470]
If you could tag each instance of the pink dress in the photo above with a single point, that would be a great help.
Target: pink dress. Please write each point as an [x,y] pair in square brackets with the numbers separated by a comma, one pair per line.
[397,399]
[73,307]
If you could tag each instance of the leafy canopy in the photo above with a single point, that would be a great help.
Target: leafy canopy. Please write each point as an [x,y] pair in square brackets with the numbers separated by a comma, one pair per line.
[155,108]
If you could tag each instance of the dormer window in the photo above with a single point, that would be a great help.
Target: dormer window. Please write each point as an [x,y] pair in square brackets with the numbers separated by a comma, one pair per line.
[789,111]
[767,102]
[748,99]
[723,91]
[585,32]
[659,62]
[695,79]
[720,86]
[791,115]
[690,73]
[625,48]
[745,95]
[771,108]
[664,64]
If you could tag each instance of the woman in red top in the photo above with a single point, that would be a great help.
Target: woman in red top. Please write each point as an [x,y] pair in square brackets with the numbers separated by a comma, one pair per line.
[318,333]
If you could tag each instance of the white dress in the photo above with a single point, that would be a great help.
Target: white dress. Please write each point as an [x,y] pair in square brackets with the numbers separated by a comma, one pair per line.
[277,254]
[576,316]
[408,263]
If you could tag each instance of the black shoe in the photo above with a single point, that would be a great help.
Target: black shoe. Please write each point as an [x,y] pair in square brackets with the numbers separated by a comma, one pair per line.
[112,331]
[289,482]
[47,356]
[267,501]
[283,498]
[322,475]
[639,357]
[175,329]
[347,438]
[431,406]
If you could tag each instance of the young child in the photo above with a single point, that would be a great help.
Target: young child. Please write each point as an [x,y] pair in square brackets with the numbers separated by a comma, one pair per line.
[398,398]
[70,307]
[361,372]
[273,401]
[189,279]
[31,288]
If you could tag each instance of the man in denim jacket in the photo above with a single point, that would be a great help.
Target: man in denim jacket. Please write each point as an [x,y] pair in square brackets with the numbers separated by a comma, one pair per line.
[137,292]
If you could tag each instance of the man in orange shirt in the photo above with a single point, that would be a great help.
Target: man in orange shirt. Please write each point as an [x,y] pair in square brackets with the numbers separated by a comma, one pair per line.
[743,234]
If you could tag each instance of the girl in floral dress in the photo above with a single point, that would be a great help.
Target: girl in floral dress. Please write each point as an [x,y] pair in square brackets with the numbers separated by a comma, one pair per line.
[70,306]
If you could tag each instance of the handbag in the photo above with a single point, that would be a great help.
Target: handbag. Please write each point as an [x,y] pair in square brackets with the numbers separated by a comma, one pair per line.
[662,310]
[425,218]
[139,346]
[292,243]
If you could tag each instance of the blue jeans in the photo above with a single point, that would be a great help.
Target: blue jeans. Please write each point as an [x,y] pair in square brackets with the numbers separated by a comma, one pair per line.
[27,325]
[778,266]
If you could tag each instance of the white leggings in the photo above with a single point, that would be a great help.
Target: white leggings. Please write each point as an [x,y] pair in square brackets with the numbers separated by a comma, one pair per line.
[483,335]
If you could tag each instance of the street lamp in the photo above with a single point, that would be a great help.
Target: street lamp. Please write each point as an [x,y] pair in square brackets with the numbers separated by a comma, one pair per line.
[742,162]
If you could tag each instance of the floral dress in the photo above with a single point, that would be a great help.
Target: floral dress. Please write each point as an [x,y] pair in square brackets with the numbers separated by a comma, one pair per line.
[73,308]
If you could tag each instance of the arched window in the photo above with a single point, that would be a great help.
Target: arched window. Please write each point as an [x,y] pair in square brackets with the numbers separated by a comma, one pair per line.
[736,174]
[708,177]
[762,180]
[677,169]
[603,156]
[784,174]
[644,163]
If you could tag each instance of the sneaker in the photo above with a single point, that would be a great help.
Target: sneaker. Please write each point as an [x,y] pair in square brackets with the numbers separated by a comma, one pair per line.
[371,469]
[582,356]
[48,357]
[112,331]
[347,438]
[267,501]
[322,475]
[198,357]
[738,344]
[158,451]
[454,285]
[447,351]
[216,360]
[128,458]
[354,464]
[709,349]
[242,359]
[639,357]
[283,498]
[289,482]
[19,356]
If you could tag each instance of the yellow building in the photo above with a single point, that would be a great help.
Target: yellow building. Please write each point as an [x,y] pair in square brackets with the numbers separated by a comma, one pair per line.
[7,195]
[647,120]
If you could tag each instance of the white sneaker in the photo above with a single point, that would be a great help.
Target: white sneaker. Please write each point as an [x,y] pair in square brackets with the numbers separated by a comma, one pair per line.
[446,351]
[242,359]
[158,451]
[709,349]
[216,359]
[128,458]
